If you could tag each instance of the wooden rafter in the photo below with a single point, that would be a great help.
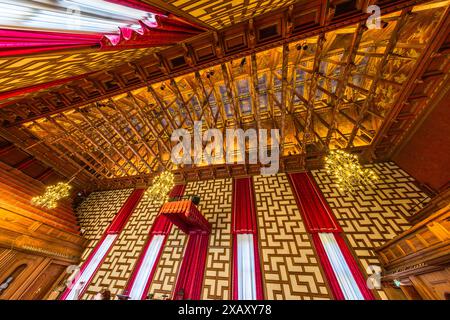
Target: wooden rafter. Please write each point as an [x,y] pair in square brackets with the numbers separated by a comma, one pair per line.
[379,73]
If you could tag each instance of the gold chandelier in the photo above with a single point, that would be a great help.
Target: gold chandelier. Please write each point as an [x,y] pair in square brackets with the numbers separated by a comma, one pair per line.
[52,195]
[160,188]
[348,171]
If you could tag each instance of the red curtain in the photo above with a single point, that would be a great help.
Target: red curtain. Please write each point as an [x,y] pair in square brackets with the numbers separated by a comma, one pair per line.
[327,268]
[244,221]
[125,212]
[16,42]
[190,277]
[357,275]
[186,216]
[319,218]
[161,226]
[314,209]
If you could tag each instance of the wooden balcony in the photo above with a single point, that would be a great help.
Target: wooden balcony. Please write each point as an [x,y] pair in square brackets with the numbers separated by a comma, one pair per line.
[425,246]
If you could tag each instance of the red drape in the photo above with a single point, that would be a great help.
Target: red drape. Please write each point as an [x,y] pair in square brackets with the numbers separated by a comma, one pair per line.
[356,272]
[115,227]
[315,211]
[17,42]
[186,216]
[190,277]
[244,221]
[161,226]
[167,30]
[319,218]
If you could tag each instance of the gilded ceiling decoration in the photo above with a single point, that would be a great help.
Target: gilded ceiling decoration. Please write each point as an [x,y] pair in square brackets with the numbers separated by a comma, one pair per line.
[334,90]
[20,72]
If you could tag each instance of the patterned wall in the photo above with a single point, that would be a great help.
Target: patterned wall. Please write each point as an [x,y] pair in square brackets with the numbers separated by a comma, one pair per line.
[163,282]
[290,266]
[219,13]
[96,212]
[215,205]
[372,217]
[118,265]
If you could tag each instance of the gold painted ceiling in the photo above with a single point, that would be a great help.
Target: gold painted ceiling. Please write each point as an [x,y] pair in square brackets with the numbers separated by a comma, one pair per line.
[328,91]
[25,71]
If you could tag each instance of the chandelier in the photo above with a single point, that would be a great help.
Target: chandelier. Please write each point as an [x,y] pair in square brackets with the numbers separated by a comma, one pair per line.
[348,171]
[160,188]
[51,195]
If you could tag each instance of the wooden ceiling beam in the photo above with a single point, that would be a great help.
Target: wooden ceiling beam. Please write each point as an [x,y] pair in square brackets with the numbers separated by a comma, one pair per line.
[149,125]
[82,149]
[233,98]
[254,88]
[338,99]
[312,89]
[113,126]
[379,73]
[107,140]
[139,136]
[98,146]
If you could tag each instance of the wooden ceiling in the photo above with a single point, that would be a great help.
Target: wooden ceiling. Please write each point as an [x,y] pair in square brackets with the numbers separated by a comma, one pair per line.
[312,70]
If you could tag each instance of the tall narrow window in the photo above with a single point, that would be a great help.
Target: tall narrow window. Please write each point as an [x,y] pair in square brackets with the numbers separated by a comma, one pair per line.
[247,278]
[340,267]
[148,263]
[91,266]
[246,267]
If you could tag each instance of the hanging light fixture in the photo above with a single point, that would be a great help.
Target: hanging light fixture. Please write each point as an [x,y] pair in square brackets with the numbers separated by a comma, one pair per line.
[160,188]
[348,171]
[54,193]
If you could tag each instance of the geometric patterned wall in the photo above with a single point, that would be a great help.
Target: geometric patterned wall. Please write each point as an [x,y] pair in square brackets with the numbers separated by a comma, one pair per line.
[370,218]
[118,265]
[290,267]
[96,212]
[163,282]
[215,205]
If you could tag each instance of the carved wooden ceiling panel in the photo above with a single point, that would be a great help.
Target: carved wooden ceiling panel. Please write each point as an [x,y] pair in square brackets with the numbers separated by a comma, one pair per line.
[336,88]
